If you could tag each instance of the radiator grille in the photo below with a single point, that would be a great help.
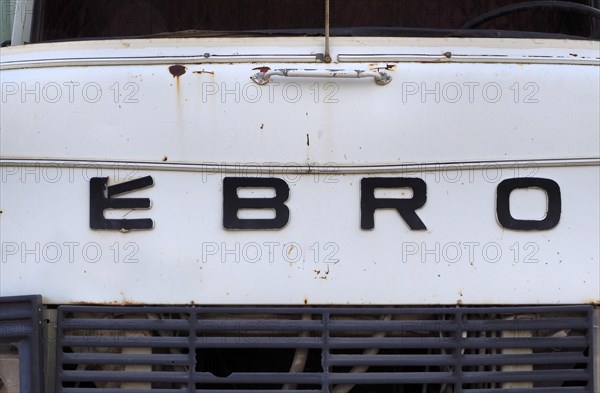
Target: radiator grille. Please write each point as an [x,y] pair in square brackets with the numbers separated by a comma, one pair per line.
[21,329]
[338,350]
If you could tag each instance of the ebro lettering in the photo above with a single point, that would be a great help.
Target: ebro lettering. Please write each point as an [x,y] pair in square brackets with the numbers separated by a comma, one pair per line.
[103,197]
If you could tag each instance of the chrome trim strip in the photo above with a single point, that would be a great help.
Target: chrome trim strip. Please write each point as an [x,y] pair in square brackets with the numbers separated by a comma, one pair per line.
[315,58]
[448,57]
[274,168]
[159,60]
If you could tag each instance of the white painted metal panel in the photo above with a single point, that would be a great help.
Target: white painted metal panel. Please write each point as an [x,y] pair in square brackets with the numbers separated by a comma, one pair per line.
[65,123]
[321,256]
[214,113]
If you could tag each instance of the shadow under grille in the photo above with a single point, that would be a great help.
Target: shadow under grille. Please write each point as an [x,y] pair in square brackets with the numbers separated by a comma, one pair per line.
[322,349]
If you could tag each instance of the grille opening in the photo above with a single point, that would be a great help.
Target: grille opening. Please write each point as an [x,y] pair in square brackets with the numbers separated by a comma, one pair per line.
[340,350]
[21,344]
[224,362]
[9,368]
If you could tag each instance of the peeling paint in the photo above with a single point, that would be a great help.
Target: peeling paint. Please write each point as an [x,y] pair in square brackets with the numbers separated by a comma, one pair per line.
[124,302]
[177,70]
[319,276]
[261,69]
[383,66]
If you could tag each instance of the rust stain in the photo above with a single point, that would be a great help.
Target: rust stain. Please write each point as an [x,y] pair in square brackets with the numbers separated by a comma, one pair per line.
[177,70]
[165,158]
[380,66]
[125,302]
[307,140]
[318,274]
[305,301]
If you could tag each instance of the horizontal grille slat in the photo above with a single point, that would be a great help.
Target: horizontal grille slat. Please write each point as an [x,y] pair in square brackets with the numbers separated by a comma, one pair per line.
[523,376]
[13,329]
[392,360]
[382,325]
[525,324]
[110,358]
[550,358]
[12,313]
[101,390]
[127,324]
[468,325]
[138,390]
[125,341]
[447,360]
[260,391]
[269,349]
[236,325]
[532,342]
[124,376]
[413,343]
[562,389]
[388,378]
[472,342]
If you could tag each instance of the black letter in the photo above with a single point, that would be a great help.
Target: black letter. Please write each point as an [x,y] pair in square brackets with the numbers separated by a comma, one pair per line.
[101,199]
[406,207]
[232,203]
[503,203]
